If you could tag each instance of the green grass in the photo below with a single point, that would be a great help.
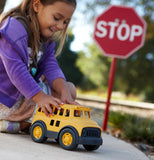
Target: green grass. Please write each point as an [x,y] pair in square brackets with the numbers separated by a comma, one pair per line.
[133,128]
[115,95]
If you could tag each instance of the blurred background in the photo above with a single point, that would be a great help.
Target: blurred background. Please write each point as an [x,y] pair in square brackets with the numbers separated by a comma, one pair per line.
[83,63]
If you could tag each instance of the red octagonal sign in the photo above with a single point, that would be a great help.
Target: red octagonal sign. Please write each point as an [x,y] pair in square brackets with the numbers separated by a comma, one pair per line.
[119,31]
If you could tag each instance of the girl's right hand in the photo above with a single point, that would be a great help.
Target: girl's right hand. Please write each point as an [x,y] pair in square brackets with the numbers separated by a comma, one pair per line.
[46,101]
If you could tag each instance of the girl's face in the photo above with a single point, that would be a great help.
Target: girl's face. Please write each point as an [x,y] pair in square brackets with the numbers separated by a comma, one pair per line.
[53,17]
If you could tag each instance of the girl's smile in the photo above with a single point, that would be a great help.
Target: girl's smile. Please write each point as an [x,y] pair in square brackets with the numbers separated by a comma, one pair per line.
[52,18]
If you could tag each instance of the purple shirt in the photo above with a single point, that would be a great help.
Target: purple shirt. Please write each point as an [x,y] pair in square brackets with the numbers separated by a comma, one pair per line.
[15,78]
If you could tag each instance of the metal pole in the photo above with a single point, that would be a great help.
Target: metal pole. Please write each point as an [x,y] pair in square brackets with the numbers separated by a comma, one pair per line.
[111,80]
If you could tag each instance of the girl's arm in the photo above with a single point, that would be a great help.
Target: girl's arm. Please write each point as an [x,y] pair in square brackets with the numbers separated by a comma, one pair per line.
[62,91]
[56,78]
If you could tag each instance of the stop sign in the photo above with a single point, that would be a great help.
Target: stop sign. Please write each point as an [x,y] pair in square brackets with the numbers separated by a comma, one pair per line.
[119,31]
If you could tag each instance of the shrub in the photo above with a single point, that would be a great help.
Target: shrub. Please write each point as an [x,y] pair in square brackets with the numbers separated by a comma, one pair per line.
[133,128]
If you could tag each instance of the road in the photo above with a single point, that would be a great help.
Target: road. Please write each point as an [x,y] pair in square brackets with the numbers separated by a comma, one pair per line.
[21,147]
[141,109]
[97,106]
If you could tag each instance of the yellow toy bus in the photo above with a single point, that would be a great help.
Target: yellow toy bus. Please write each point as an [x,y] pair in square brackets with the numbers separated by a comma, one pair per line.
[70,126]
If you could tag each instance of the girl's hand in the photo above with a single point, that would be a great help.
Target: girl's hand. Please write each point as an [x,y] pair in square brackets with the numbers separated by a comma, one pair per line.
[65,91]
[46,101]
[67,99]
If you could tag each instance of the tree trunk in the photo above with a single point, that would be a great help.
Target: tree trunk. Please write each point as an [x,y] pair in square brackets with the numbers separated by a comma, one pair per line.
[2,4]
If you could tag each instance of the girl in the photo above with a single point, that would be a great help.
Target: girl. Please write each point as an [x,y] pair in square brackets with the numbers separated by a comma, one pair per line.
[27,45]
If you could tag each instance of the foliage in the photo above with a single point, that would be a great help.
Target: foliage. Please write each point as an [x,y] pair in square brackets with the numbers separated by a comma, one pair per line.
[133,128]
[135,74]
[94,67]
[67,62]
[92,8]
[147,7]
[90,70]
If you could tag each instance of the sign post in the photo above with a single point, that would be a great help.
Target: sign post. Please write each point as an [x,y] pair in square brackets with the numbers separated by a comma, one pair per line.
[119,32]
[111,81]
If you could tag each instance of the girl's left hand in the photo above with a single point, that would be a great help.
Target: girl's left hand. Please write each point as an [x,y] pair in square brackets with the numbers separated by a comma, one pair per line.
[67,99]
[65,91]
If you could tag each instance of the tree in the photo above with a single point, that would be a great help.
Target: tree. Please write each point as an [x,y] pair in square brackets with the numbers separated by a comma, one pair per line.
[67,62]
[135,74]
[138,70]
[147,7]
[94,67]
[2,4]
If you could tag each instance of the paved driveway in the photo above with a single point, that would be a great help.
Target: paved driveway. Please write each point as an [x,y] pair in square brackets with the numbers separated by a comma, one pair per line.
[21,147]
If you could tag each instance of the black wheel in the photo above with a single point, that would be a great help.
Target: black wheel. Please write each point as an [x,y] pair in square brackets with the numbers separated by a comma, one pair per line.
[91,147]
[37,132]
[67,139]
[57,140]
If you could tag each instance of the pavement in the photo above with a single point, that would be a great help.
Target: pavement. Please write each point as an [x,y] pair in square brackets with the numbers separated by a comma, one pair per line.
[21,147]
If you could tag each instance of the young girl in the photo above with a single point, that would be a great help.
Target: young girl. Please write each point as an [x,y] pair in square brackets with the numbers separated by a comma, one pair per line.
[27,46]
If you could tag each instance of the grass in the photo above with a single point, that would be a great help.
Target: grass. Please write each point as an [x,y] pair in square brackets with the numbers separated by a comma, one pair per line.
[115,95]
[133,128]
[130,127]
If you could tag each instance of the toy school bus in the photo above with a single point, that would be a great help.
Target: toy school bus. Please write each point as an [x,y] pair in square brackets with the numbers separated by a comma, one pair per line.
[70,126]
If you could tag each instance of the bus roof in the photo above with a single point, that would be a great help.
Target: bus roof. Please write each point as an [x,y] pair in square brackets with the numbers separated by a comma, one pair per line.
[75,107]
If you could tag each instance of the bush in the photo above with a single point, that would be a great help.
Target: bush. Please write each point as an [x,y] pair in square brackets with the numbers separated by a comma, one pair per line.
[133,128]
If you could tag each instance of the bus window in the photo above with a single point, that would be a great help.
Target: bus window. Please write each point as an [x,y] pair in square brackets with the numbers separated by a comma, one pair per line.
[67,113]
[78,113]
[87,114]
[39,110]
[56,110]
[61,112]
[52,122]
[57,123]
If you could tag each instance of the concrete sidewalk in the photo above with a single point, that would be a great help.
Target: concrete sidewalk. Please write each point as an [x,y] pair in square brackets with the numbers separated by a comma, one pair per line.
[21,147]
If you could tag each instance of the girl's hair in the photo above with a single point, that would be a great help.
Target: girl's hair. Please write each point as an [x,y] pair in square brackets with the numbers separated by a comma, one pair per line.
[25,9]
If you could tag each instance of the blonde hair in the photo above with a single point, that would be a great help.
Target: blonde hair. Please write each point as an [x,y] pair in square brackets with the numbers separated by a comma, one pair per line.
[25,9]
